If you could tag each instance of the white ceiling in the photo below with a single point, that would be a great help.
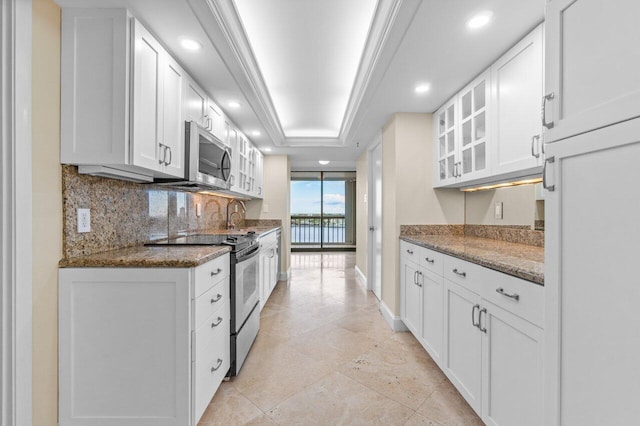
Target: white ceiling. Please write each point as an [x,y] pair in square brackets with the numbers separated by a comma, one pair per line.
[411,41]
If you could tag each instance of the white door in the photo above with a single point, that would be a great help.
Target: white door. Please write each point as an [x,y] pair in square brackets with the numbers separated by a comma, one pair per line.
[195,102]
[592,65]
[172,135]
[375,222]
[473,141]
[592,327]
[517,88]
[463,340]
[411,296]
[446,150]
[147,100]
[512,372]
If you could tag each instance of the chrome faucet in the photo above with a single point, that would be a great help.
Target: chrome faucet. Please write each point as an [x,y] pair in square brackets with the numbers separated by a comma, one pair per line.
[230,223]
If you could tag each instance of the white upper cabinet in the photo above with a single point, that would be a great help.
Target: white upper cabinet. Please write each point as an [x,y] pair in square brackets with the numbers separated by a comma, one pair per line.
[447,170]
[216,122]
[157,129]
[474,120]
[121,96]
[195,103]
[490,130]
[592,65]
[517,89]
[259,190]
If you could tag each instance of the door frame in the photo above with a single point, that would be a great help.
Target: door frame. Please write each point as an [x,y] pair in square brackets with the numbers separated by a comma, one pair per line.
[16,214]
[371,210]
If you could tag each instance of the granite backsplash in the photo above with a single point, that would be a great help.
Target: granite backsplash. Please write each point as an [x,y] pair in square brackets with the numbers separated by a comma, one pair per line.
[125,214]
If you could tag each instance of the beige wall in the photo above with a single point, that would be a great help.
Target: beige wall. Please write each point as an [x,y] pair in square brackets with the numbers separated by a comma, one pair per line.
[277,178]
[361,213]
[519,206]
[47,209]
[408,197]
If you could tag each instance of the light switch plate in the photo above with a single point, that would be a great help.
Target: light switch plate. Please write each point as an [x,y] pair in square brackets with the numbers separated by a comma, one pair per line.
[498,211]
[84,220]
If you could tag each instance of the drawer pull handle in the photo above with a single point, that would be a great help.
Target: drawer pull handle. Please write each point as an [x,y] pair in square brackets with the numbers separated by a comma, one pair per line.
[429,260]
[215,324]
[462,274]
[473,316]
[217,366]
[418,280]
[216,272]
[483,329]
[514,296]
[409,251]
[218,297]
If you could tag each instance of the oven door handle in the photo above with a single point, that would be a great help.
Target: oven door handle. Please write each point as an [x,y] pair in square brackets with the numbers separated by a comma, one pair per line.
[249,256]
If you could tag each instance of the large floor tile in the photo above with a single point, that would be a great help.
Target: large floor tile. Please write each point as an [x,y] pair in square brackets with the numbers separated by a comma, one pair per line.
[338,400]
[447,407]
[229,407]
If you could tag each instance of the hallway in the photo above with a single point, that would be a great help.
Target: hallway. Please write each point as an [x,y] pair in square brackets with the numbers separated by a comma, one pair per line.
[326,356]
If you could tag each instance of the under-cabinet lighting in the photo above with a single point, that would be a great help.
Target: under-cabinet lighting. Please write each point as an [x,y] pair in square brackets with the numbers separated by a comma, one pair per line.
[479,20]
[323,162]
[502,185]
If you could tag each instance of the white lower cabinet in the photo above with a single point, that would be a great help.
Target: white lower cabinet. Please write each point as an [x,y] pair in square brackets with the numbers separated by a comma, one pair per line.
[269,265]
[142,346]
[482,327]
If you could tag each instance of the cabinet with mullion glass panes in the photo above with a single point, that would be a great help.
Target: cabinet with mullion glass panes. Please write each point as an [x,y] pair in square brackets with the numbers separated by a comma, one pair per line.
[473,124]
[448,170]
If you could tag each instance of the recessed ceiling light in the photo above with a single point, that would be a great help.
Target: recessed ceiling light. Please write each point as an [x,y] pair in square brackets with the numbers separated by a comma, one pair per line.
[255,133]
[233,104]
[479,20]
[190,44]
[422,88]
[323,162]
[267,149]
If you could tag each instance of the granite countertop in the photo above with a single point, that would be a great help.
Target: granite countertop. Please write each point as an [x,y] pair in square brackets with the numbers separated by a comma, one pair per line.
[160,256]
[520,260]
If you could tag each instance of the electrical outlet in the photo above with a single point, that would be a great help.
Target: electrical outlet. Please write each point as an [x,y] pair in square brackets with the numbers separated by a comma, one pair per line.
[498,211]
[84,220]
[198,209]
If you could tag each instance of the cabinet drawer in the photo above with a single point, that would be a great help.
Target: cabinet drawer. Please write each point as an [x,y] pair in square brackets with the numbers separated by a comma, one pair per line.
[410,251]
[209,274]
[431,260]
[212,359]
[467,274]
[269,239]
[522,298]
[211,301]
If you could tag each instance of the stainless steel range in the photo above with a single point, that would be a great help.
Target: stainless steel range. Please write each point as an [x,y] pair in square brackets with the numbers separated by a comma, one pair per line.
[245,317]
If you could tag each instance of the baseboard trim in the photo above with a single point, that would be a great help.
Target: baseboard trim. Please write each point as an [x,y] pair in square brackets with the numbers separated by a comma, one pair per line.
[284,276]
[394,322]
[360,276]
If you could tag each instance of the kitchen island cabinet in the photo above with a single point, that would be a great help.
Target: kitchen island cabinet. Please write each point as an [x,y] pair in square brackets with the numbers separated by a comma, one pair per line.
[142,346]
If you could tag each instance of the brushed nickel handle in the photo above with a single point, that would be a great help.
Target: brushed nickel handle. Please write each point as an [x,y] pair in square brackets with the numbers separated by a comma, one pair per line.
[415,277]
[514,296]
[535,142]
[216,272]
[217,323]
[418,281]
[429,260]
[473,316]
[408,251]
[218,297]
[549,188]
[483,329]
[462,274]
[163,148]
[545,98]
[217,366]
[170,156]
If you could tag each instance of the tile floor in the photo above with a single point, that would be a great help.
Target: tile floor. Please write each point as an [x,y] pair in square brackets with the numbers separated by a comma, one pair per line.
[326,356]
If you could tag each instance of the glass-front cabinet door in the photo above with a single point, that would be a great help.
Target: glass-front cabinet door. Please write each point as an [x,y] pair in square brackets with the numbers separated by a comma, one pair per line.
[448,169]
[473,125]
